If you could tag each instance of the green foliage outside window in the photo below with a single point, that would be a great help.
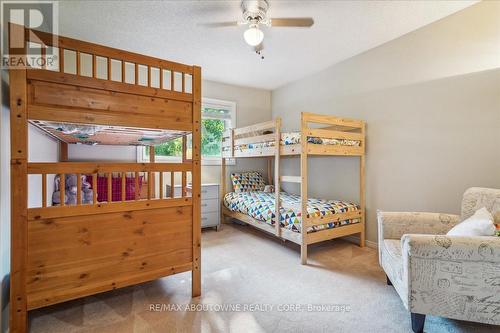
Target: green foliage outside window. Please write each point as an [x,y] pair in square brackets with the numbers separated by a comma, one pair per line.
[170,148]
[211,139]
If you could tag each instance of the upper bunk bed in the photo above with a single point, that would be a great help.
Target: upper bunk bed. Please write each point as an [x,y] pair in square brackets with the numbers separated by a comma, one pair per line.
[334,136]
[113,86]
[85,93]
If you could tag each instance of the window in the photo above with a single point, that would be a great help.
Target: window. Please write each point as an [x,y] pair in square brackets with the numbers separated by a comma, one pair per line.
[216,117]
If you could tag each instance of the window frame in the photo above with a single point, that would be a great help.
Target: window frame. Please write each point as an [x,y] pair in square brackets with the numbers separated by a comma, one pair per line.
[205,102]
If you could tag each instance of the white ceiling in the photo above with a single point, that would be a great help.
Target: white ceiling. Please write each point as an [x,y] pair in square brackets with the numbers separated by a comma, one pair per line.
[171,30]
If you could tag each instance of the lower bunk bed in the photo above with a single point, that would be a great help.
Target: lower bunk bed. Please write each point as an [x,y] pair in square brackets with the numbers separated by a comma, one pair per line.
[332,218]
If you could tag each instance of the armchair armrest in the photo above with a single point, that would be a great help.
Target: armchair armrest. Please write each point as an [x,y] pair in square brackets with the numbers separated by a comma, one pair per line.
[452,276]
[393,225]
[452,248]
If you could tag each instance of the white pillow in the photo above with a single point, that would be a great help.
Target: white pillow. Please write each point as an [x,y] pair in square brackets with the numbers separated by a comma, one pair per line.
[479,224]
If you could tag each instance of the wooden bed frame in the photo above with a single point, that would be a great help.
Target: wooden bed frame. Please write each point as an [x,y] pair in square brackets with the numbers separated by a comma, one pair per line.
[59,253]
[270,131]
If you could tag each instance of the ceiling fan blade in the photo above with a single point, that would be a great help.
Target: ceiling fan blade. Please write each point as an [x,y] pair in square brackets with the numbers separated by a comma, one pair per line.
[220,24]
[292,22]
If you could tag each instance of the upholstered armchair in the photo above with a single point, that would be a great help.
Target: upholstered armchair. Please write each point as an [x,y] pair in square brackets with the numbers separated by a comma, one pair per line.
[449,276]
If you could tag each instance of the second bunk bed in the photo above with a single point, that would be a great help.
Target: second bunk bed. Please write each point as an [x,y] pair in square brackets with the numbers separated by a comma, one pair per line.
[252,202]
[94,229]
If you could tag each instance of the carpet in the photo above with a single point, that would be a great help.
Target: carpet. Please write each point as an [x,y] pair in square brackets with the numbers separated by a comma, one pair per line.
[253,282]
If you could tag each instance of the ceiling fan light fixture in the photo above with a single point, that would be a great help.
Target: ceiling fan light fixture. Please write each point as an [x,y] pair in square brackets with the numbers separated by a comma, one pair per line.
[253,35]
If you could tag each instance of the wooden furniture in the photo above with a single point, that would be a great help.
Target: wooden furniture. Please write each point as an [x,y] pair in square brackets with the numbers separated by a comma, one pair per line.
[270,132]
[59,253]
[210,204]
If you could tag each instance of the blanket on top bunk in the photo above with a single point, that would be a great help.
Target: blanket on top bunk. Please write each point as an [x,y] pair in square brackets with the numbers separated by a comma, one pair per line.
[292,138]
[260,206]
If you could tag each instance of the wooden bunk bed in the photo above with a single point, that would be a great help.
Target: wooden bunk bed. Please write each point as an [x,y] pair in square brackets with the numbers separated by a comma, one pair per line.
[62,252]
[345,137]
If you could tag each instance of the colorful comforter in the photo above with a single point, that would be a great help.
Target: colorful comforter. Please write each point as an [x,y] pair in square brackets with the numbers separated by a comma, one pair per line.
[292,138]
[260,206]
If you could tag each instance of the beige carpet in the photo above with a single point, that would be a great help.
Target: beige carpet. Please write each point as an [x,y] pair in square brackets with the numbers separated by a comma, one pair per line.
[241,267]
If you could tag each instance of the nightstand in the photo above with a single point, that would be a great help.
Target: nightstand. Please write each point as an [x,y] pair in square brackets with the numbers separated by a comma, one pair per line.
[210,204]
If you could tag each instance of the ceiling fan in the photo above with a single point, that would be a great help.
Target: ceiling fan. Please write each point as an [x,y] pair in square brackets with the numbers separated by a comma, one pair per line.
[254,15]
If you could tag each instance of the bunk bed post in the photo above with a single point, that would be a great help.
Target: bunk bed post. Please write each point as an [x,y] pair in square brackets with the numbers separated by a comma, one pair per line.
[184,160]
[303,188]
[222,187]
[19,190]
[270,170]
[184,148]
[63,151]
[151,175]
[63,157]
[231,139]
[362,189]
[223,176]
[277,138]
[196,181]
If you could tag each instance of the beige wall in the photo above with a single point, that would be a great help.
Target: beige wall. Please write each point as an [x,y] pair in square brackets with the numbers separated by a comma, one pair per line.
[431,100]
[252,106]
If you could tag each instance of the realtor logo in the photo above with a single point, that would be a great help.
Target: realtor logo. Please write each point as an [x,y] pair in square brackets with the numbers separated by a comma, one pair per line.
[38,52]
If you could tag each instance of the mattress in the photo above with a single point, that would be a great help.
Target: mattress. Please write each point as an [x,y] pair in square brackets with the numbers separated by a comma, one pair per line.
[293,138]
[91,134]
[260,206]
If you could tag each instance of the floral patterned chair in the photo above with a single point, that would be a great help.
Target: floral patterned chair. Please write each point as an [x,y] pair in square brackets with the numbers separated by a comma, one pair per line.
[449,276]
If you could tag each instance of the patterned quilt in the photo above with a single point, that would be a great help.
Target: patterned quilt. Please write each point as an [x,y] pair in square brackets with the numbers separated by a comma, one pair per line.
[292,138]
[260,206]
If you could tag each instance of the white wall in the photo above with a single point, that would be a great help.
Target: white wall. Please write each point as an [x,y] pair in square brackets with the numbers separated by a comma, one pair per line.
[41,148]
[252,106]
[102,153]
[431,100]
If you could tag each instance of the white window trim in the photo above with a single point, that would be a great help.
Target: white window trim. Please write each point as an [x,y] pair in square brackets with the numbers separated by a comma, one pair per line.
[211,102]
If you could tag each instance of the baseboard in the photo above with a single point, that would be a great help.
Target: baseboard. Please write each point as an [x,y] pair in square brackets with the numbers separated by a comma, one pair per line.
[368,243]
